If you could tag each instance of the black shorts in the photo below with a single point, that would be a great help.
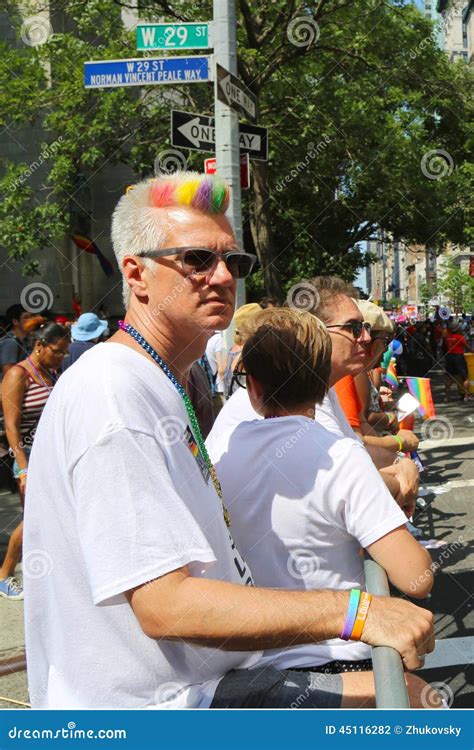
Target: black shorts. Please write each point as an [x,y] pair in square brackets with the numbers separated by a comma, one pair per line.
[455,365]
[268,687]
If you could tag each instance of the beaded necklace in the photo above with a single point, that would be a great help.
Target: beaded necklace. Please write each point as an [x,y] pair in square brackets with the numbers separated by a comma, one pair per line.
[187,403]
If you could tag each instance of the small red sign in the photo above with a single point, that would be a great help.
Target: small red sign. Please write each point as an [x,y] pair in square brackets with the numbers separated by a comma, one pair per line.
[210,167]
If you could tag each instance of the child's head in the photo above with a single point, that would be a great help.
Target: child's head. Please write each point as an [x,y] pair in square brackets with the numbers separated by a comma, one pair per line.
[289,357]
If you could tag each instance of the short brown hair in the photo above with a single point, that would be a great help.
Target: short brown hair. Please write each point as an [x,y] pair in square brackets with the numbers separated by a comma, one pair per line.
[327,289]
[289,353]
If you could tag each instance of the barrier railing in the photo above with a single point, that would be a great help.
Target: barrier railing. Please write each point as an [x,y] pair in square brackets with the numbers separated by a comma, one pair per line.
[390,687]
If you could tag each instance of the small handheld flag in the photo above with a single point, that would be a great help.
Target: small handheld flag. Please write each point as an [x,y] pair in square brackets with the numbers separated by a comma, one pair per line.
[420,388]
[84,243]
[390,376]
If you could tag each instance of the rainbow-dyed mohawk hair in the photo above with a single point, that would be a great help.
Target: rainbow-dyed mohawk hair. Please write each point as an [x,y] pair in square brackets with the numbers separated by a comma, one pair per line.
[207,193]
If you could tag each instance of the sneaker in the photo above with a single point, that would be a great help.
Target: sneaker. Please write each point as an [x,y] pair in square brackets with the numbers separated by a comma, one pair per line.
[11,589]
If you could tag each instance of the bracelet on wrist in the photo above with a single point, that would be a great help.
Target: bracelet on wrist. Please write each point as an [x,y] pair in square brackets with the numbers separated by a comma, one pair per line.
[23,472]
[362,612]
[351,614]
[399,442]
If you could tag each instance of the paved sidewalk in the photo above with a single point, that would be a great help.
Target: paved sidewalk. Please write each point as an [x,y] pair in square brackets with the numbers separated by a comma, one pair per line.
[12,640]
[448,455]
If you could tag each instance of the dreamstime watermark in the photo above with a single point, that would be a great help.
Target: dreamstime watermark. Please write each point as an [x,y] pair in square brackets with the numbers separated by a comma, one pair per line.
[303,296]
[69,732]
[167,692]
[37,563]
[437,428]
[313,151]
[35,31]
[428,696]
[36,297]
[291,442]
[302,563]
[436,164]
[46,153]
[437,564]
[444,313]
[170,298]
[437,30]
[316,681]
[169,161]
[169,430]
[303,31]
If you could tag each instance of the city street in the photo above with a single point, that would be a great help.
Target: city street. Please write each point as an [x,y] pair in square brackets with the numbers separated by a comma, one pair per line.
[448,456]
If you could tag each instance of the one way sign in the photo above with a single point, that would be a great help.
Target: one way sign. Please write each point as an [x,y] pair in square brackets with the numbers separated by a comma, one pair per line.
[197,132]
[233,92]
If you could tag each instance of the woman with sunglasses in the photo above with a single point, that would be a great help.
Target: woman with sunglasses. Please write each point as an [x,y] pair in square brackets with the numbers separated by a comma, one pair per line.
[369,382]
[26,388]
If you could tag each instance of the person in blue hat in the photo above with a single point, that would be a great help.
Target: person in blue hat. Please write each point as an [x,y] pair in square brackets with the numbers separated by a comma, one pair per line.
[85,333]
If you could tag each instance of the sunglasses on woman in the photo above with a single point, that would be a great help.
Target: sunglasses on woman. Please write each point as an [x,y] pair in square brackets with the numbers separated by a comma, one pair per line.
[202,260]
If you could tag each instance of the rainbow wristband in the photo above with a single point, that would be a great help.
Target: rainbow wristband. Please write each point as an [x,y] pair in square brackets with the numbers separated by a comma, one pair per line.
[23,472]
[351,614]
[362,613]
[399,441]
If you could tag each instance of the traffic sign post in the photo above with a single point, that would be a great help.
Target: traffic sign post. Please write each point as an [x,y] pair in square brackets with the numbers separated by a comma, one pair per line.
[173,36]
[233,92]
[197,132]
[146,71]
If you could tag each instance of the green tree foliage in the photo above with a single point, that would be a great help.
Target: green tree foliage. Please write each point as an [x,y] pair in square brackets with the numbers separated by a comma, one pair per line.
[456,285]
[355,94]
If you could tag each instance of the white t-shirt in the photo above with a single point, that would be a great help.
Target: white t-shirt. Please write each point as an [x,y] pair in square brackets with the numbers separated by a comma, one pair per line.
[116,498]
[215,345]
[303,501]
[238,409]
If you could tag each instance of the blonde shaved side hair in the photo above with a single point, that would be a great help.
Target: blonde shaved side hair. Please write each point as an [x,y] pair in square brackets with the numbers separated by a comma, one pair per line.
[138,225]
[289,353]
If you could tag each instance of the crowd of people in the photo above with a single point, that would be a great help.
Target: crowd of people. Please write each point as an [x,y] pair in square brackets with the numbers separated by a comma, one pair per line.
[202,508]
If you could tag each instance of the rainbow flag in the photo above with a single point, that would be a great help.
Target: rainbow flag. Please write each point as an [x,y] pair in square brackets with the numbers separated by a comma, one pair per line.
[420,388]
[390,376]
[84,243]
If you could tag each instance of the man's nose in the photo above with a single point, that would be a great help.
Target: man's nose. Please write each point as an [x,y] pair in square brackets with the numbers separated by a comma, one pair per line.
[220,274]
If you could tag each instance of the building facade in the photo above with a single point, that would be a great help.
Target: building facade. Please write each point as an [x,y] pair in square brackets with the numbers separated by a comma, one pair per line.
[64,268]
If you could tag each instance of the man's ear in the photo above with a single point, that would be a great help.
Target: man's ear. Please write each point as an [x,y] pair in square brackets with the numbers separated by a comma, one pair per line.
[133,268]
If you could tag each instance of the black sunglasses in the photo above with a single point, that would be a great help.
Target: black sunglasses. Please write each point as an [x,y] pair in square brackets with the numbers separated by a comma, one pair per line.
[355,326]
[239,377]
[202,260]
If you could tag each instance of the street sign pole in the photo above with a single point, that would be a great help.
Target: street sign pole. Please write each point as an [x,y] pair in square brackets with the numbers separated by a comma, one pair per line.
[227,120]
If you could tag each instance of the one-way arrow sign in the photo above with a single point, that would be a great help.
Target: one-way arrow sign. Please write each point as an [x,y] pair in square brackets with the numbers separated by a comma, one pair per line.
[197,132]
[233,92]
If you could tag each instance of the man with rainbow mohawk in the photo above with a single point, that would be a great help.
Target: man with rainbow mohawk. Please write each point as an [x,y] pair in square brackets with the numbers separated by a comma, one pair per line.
[145,601]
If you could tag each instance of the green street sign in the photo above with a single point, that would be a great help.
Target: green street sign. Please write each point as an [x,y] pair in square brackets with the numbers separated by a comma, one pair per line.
[173,36]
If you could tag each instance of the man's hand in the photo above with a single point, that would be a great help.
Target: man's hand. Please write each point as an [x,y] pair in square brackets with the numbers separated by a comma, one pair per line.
[408,477]
[403,626]
[409,440]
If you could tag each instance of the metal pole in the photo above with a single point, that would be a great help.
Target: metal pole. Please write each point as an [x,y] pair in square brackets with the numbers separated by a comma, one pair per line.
[390,687]
[226,120]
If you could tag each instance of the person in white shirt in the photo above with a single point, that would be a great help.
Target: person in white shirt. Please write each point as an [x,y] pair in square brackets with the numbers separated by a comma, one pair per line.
[350,338]
[135,593]
[215,353]
[300,507]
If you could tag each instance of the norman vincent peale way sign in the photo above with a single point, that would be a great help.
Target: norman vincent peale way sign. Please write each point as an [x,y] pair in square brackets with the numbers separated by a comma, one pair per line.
[146,71]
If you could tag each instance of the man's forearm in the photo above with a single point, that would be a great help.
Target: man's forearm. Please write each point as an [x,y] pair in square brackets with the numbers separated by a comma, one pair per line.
[234,617]
[379,454]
